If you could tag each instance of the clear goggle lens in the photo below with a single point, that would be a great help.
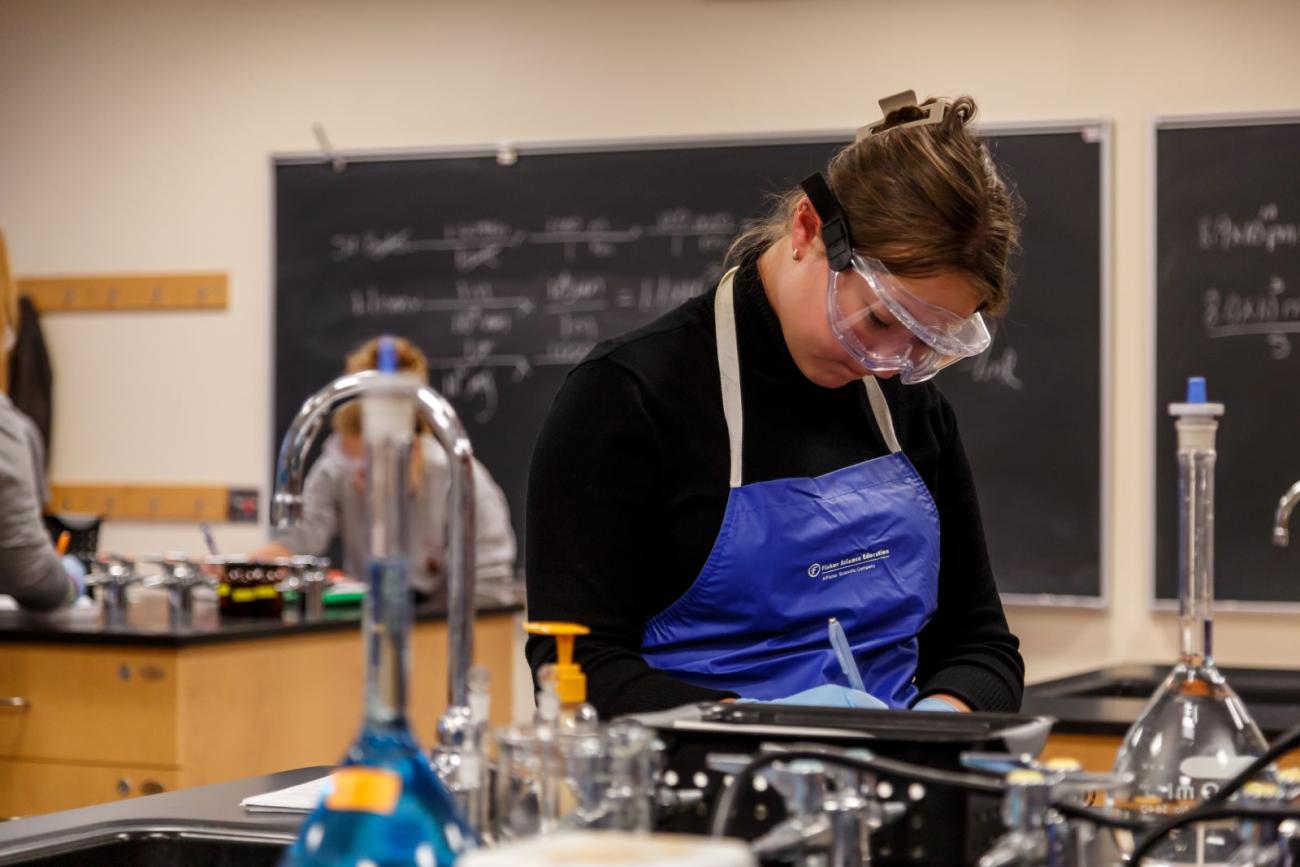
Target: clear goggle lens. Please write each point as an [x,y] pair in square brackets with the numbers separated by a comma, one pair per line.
[889,330]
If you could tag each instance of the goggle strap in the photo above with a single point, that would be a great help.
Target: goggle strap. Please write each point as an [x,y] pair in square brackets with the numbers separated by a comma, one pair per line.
[835,229]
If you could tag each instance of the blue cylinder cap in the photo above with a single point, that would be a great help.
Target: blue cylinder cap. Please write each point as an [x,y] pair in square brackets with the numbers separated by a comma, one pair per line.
[1196,389]
[387,359]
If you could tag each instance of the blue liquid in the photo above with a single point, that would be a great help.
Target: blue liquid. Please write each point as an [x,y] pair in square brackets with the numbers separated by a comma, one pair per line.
[424,829]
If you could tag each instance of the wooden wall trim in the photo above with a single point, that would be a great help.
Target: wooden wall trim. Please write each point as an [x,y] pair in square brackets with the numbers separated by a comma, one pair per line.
[145,502]
[126,292]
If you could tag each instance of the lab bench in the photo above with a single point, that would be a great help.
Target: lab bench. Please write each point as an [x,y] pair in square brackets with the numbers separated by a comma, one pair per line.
[206,824]
[91,713]
[1093,710]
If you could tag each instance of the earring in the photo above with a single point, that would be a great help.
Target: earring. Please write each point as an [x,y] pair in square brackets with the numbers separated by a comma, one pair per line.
[796,255]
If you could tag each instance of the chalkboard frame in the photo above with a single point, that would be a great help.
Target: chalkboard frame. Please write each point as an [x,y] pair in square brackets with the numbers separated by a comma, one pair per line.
[1098,130]
[1160,123]
[1102,131]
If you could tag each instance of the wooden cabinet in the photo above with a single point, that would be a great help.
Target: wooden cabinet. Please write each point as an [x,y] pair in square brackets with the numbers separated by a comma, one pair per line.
[99,722]
[86,703]
[28,788]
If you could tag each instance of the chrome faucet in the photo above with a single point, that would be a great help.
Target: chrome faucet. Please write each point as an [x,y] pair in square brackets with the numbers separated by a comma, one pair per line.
[432,408]
[308,578]
[831,810]
[1282,535]
[180,576]
[113,575]
[1037,832]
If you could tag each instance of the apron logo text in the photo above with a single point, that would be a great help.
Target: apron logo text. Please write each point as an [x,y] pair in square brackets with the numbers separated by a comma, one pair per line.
[848,565]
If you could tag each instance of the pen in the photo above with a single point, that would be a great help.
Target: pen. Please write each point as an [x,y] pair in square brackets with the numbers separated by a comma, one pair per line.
[208,538]
[840,643]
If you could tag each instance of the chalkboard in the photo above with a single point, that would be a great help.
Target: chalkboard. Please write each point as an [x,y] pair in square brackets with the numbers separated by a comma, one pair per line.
[1228,308]
[507,271]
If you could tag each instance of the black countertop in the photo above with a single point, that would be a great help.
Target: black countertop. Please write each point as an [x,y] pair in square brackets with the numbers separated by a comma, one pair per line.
[1108,700]
[147,624]
[1102,702]
[214,807]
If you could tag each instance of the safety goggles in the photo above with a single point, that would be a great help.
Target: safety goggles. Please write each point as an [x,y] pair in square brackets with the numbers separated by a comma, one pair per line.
[883,326]
[888,329]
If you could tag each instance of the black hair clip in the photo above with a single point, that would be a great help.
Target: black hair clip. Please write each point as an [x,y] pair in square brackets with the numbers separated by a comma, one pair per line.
[835,228]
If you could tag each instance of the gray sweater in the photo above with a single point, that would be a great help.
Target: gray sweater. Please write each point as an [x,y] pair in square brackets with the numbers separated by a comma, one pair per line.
[30,569]
[334,502]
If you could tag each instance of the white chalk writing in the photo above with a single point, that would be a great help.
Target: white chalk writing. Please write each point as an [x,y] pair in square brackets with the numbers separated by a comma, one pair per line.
[1265,231]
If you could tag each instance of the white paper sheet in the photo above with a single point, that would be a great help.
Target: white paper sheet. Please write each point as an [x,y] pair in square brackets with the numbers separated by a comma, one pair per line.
[301,798]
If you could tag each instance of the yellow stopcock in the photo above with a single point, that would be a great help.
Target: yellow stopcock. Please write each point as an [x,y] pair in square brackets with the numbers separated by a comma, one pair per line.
[570,682]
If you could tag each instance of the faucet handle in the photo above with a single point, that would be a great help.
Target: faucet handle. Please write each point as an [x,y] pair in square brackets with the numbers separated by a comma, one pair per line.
[178,571]
[112,569]
[184,570]
[286,509]
[301,572]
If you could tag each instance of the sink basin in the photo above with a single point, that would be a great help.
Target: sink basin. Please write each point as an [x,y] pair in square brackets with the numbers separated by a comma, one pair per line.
[154,849]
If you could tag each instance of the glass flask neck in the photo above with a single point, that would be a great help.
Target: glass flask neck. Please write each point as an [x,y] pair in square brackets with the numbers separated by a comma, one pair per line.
[1196,538]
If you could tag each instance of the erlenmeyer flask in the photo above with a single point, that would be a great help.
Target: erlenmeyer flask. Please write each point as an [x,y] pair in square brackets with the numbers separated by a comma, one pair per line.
[1194,732]
[386,805]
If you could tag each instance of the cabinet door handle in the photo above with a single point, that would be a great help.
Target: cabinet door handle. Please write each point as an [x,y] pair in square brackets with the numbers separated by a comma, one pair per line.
[15,701]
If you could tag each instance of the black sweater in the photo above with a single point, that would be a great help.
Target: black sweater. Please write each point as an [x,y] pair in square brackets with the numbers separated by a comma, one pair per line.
[629,483]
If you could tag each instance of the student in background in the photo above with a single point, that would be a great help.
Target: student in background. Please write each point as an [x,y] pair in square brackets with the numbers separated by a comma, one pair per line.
[31,570]
[334,497]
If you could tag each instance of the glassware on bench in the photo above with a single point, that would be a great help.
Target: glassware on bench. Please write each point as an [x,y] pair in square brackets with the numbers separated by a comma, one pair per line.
[1194,732]
[385,805]
[570,772]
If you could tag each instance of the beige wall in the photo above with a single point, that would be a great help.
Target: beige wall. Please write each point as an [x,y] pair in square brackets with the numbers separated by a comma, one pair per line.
[136,136]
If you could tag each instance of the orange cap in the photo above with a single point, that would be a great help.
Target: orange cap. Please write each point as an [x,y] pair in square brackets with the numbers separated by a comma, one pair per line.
[570,682]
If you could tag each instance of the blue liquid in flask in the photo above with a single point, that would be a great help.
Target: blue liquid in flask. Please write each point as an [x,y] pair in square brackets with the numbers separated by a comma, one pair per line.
[387,806]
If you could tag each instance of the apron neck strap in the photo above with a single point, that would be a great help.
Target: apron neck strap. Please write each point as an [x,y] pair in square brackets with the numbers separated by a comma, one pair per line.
[724,324]
[724,318]
[880,409]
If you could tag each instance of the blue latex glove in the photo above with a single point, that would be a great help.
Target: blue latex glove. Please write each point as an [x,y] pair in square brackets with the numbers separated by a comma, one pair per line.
[832,695]
[76,574]
[937,705]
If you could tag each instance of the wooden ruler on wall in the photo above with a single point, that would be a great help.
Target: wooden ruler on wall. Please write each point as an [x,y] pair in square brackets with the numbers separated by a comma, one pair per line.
[207,291]
[127,502]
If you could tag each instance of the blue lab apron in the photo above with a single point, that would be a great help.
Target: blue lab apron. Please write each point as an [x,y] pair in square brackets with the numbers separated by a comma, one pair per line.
[860,544]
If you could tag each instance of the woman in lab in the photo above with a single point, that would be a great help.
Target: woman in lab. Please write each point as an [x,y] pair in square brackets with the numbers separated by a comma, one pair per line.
[334,497]
[712,489]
